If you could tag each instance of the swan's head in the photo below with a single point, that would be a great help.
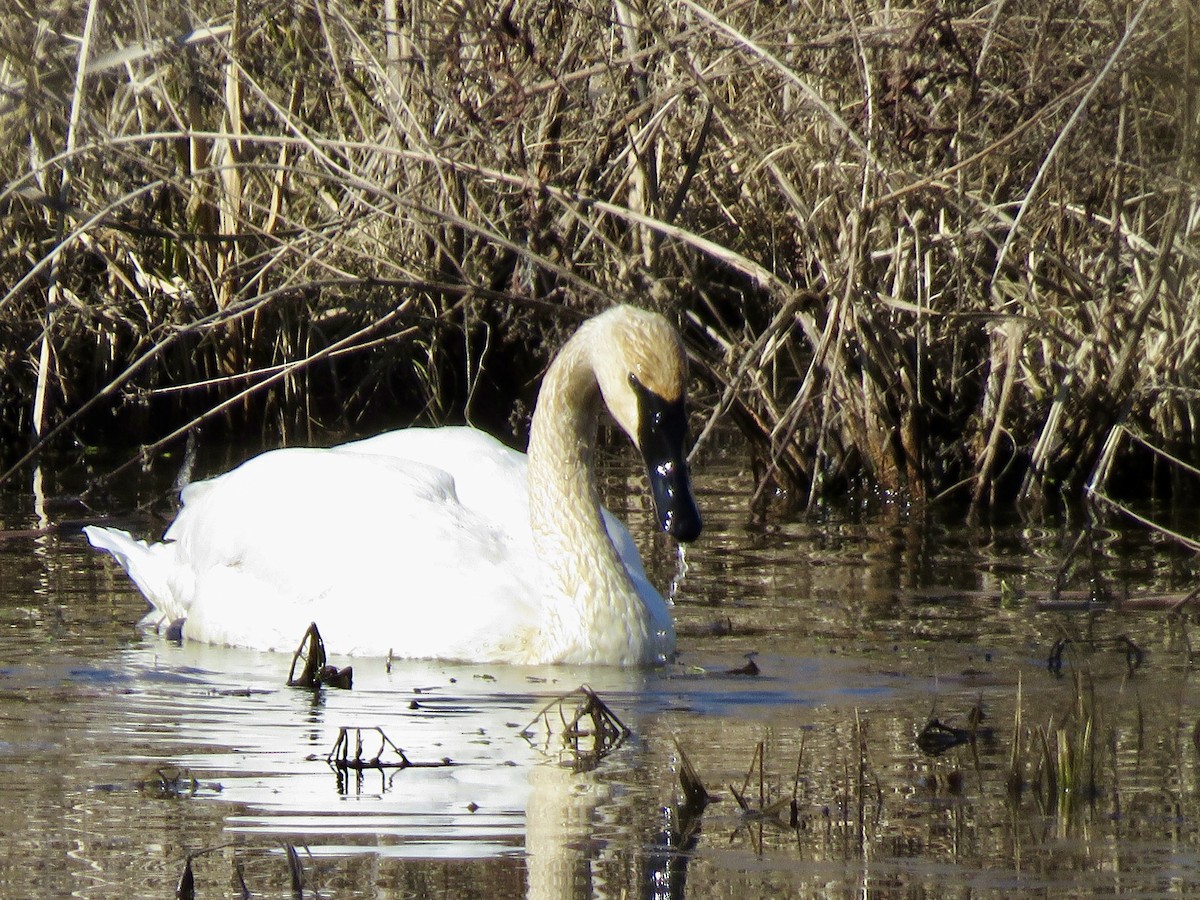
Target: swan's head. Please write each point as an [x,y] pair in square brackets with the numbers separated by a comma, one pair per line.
[641,366]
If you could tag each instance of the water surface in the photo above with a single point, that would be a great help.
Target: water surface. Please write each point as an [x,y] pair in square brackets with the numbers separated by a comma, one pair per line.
[122,755]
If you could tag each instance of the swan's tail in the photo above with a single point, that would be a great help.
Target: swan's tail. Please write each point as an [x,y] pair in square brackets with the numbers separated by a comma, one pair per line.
[148,565]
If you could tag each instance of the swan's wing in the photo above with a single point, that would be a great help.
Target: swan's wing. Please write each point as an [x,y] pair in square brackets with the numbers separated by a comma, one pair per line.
[488,477]
[626,548]
[303,518]
[657,605]
[379,551]
[150,566]
[415,542]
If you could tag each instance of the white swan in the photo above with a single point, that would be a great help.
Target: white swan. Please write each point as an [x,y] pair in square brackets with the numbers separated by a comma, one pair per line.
[443,543]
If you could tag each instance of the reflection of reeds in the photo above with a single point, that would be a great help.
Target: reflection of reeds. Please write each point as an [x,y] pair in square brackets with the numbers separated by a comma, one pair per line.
[587,727]
[1058,761]
[770,807]
[185,888]
[695,794]
[852,808]
[1016,768]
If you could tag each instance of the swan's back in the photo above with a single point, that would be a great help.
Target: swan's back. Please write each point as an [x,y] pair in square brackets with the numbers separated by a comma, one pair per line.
[383,543]
[487,476]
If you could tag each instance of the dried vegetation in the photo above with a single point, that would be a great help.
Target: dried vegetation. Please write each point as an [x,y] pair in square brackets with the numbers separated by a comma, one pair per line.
[938,248]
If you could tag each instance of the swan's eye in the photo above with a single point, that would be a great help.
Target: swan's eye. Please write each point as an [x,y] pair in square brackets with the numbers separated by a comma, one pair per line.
[649,401]
[661,422]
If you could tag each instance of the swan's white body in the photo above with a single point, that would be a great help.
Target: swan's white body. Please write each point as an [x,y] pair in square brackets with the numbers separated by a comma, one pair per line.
[425,542]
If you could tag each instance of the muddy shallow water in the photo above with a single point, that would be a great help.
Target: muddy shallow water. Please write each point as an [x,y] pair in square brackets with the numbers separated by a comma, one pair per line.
[122,755]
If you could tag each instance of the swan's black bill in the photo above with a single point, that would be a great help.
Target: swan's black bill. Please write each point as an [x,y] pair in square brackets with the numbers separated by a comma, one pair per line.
[662,436]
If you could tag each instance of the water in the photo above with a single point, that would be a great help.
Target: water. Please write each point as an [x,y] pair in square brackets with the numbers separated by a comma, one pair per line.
[121,755]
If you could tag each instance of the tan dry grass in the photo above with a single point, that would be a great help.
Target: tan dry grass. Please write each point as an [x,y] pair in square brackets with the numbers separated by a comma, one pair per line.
[942,250]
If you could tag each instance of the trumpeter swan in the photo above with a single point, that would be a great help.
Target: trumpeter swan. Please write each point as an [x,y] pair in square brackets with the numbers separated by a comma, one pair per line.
[443,542]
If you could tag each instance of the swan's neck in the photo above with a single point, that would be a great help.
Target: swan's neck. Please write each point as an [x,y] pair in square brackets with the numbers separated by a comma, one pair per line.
[600,616]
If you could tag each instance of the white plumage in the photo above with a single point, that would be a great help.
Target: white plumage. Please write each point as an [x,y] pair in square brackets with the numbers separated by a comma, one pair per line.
[419,542]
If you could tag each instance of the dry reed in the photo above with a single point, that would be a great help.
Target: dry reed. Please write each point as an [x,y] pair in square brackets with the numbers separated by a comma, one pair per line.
[937,249]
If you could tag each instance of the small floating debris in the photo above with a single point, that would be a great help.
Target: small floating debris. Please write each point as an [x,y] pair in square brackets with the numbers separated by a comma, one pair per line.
[695,795]
[740,796]
[1134,654]
[937,737]
[315,672]
[170,784]
[771,809]
[943,784]
[295,870]
[185,888]
[339,757]
[750,668]
[592,721]
[164,783]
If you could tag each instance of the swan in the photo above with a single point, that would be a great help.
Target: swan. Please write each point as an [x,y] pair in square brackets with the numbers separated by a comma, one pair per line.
[443,543]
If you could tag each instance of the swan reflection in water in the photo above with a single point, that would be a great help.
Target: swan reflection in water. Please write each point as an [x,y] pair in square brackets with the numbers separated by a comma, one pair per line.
[507,789]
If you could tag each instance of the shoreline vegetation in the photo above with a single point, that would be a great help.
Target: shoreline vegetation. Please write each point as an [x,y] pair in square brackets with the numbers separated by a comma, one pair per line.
[944,251]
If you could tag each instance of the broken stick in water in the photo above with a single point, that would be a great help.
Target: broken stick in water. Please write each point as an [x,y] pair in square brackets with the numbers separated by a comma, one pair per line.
[315,672]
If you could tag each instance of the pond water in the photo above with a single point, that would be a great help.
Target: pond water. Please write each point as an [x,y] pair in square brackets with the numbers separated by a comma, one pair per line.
[124,756]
